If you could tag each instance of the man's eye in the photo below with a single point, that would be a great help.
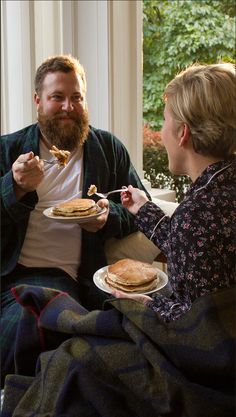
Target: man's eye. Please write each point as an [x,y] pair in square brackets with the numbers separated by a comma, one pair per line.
[56,97]
[78,98]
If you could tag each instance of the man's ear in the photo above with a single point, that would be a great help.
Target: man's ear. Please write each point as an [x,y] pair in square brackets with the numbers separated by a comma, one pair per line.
[184,135]
[36,98]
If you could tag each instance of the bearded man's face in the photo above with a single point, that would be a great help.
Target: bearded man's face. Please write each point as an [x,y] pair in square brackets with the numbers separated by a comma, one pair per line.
[62,110]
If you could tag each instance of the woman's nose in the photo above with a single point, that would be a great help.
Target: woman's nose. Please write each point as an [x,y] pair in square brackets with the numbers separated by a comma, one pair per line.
[67,105]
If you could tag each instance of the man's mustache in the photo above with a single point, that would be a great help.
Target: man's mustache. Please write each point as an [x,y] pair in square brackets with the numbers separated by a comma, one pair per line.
[65,115]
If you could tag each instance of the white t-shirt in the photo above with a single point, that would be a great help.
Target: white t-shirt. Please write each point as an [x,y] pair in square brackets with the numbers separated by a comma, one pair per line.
[48,243]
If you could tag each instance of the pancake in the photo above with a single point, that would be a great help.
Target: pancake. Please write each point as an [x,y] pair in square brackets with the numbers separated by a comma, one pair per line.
[92,190]
[77,207]
[132,276]
[132,288]
[61,155]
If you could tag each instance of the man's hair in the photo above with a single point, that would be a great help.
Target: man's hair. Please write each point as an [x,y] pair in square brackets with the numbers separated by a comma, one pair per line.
[204,97]
[62,63]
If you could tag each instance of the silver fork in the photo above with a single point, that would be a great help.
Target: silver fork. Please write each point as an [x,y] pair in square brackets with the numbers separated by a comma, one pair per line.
[53,162]
[105,195]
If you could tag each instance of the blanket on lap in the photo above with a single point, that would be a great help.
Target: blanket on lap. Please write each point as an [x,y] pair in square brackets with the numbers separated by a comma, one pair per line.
[123,361]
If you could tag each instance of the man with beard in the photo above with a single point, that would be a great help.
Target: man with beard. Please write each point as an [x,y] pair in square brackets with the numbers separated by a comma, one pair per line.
[35,249]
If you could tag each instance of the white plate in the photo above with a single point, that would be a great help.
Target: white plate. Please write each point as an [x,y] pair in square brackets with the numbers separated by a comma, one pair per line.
[74,219]
[99,281]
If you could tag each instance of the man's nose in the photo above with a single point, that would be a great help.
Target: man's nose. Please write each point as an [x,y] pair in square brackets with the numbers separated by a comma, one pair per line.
[67,105]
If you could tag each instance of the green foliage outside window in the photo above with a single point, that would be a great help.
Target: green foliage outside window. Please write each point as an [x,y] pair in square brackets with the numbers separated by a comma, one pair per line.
[177,33]
[156,165]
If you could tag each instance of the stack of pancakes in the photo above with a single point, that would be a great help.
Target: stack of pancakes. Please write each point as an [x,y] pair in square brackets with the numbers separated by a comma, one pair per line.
[77,207]
[132,276]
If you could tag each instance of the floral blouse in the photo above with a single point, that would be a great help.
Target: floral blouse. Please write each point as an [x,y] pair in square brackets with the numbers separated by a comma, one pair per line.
[199,239]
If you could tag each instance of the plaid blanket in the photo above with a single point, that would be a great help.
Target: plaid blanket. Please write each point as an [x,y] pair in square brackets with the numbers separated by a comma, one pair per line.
[123,361]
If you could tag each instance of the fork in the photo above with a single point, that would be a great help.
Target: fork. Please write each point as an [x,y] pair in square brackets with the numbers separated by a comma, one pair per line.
[105,195]
[53,162]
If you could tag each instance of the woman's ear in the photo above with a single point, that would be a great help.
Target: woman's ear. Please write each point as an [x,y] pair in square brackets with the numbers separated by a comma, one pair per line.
[184,135]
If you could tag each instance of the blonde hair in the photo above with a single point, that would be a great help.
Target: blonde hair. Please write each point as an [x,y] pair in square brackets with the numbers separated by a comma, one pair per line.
[204,97]
[62,63]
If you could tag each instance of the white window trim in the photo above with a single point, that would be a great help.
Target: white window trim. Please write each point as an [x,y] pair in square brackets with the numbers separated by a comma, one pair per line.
[16,66]
[125,70]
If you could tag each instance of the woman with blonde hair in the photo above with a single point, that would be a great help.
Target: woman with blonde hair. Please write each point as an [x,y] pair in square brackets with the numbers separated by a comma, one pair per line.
[199,239]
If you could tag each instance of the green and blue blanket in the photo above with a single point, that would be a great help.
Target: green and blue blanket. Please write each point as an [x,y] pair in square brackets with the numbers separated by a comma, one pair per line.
[123,361]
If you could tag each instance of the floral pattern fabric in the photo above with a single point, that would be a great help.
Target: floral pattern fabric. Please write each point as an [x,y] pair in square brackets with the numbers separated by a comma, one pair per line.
[199,239]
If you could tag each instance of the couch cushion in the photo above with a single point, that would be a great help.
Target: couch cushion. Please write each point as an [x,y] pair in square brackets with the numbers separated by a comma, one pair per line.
[137,245]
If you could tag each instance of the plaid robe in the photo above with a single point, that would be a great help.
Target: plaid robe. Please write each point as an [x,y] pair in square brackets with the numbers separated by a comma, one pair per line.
[123,361]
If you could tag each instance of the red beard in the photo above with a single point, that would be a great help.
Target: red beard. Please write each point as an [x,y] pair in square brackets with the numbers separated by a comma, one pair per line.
[67,135]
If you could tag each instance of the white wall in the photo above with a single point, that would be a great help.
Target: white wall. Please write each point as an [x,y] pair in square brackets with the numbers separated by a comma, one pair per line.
[104,35]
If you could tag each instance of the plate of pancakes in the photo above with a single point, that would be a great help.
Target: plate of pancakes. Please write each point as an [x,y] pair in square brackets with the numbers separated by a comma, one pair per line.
[78,210]
[130,276]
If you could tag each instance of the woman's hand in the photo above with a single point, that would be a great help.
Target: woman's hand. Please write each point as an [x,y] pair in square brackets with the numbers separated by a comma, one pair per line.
[137,297]
[133,199]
